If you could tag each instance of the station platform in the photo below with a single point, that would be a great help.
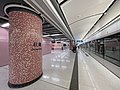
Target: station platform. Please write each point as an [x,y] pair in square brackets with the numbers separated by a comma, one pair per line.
[58,69]
[93,75]
[57,72]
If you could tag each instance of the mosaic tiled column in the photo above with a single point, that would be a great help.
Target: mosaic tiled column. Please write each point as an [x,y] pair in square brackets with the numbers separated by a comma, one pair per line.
[25,35]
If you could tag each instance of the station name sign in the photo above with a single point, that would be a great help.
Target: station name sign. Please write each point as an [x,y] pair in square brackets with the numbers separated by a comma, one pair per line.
[36,46]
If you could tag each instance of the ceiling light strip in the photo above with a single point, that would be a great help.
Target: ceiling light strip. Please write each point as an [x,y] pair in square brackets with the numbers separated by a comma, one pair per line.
[5,25]
[49,18]
[100,17]
[15,5]
[58,27]
[60,11]
[4,18]
[32,6]
[105,26]
[49,4]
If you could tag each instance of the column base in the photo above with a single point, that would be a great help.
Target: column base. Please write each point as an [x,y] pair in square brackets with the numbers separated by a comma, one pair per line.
[24,84]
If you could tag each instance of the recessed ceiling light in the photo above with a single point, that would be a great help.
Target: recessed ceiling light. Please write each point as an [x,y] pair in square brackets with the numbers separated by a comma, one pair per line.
[56,34]
[5,25]
[46,35]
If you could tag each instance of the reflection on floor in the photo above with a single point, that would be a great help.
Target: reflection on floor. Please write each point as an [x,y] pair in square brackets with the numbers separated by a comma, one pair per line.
[57,72]
[94,76]
[58,67]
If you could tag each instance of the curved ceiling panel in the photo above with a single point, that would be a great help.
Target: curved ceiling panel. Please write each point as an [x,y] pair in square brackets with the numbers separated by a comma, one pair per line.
[112,13]
[75,10]
[78,9]
[80,28]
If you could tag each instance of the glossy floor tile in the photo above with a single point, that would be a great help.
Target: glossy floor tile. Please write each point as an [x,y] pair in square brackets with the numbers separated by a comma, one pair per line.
[57,72]
[58,68]
[94,76]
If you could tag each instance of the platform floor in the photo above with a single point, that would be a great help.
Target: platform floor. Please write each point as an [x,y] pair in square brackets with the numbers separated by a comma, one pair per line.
[58,69]
[94,76]
[57,72]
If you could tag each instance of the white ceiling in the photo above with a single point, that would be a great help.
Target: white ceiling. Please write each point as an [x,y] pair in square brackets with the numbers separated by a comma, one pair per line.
[112,13]
[80,28]
[76,12]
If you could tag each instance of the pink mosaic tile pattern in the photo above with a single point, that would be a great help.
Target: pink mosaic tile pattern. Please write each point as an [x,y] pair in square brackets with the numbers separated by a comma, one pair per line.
[25,63]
